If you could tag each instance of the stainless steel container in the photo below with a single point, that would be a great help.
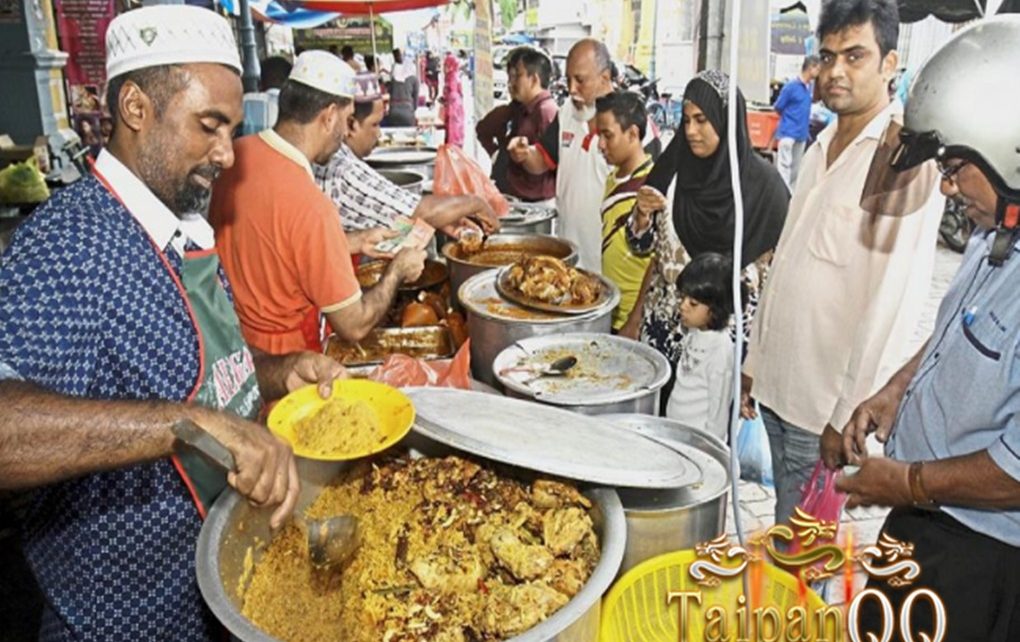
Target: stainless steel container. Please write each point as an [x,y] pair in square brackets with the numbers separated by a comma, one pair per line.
[528,218]
[669,520]
[411,181]
[462,268]
[612,375]
[494,323]
[416,159]
[234,529]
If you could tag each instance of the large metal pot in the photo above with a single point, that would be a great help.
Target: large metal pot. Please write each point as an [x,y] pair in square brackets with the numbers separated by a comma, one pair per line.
[463,268]
[495,323]
[416,159]
[528,218]
[670,520]
[613,374]
[234,529]
[411,181]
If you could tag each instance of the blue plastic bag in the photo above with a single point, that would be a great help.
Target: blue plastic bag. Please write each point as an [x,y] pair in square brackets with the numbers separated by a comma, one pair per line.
[753,451]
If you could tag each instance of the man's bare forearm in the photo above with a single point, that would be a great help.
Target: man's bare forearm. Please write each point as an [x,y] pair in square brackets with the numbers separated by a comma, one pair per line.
[271,372]
[47,437]
[973,480]
[440,211]
[355,321]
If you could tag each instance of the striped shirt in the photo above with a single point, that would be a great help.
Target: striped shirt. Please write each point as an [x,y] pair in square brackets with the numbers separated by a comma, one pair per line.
[624,257]
[363,196]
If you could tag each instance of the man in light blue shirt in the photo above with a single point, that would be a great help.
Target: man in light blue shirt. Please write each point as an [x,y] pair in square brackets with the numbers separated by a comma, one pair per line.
[794,107]
[950,418]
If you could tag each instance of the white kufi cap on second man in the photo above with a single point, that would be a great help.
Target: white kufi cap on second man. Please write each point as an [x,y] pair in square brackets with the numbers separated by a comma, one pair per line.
[323,71]
[168,35]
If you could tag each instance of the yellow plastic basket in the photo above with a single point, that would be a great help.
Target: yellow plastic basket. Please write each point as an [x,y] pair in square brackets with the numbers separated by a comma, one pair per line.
[636,609]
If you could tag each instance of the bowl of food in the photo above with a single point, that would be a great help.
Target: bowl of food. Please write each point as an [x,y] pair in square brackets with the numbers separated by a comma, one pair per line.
[360,418]
[451,548]
[433,275]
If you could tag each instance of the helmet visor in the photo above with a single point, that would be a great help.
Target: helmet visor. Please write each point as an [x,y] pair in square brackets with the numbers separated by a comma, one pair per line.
[899,180]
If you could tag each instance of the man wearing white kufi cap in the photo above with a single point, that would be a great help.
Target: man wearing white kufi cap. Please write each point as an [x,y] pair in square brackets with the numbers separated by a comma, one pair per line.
[280,240]
[115,328]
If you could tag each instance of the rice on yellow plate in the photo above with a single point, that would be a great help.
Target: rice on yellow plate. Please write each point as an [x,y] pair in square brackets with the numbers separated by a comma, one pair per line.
[360,418]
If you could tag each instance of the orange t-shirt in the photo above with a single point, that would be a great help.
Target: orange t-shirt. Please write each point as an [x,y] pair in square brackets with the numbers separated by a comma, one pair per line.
[281,243]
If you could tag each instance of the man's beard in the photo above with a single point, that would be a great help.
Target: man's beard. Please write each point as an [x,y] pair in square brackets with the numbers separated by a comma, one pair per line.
[584,112]
[181,195]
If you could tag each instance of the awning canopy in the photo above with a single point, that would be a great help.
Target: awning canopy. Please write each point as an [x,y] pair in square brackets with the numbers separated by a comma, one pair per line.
[365,7]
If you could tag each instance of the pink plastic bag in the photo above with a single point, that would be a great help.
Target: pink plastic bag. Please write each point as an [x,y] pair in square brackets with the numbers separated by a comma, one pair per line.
[456,175]
[821,500]
[401,370]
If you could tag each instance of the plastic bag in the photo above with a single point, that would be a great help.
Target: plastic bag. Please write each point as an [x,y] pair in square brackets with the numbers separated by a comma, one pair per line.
[456,175]
[753,451]
[401,370]
[819,498]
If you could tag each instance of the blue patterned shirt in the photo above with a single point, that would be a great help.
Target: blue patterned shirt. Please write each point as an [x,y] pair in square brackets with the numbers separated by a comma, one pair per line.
[88,309]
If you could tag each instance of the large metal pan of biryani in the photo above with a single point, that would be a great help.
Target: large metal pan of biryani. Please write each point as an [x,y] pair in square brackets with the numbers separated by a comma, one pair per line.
[453,549]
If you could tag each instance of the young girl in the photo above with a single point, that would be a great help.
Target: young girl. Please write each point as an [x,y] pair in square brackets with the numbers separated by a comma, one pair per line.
[704,371]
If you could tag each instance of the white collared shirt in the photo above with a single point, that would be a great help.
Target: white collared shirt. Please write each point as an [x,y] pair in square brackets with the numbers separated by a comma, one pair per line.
[163,226]
[845,291]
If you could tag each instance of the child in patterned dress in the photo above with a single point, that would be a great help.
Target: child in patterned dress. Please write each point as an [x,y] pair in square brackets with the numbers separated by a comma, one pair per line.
[704,372]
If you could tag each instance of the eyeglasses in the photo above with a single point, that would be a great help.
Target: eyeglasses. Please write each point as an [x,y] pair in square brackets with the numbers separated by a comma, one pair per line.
[949,172]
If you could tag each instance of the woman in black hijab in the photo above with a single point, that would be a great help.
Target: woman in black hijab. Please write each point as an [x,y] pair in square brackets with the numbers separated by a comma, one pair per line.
[696,212]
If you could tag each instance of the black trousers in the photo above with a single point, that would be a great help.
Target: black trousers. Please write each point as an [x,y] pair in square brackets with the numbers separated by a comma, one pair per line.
[977,578]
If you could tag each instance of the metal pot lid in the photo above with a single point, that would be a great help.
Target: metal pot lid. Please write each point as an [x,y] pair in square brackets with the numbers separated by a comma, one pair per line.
[406,156]
[609,369]
[479,296]
[528,214]
[549,440]
[706,451]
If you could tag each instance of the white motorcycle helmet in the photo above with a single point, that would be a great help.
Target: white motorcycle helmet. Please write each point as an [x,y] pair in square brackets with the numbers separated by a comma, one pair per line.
[964,103]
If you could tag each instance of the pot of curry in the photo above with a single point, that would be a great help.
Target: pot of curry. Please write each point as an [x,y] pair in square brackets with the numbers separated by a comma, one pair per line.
[498,250]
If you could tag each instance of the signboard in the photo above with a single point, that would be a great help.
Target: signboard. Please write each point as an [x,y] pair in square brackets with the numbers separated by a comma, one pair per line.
[789,32]
[355,31]
[483,58]
[81,26]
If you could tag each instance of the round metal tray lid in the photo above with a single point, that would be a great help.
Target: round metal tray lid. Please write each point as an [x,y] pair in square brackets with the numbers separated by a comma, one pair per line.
[549,440]
[527,213]
[708,453]
[479,295]
[609,369]
[402,156]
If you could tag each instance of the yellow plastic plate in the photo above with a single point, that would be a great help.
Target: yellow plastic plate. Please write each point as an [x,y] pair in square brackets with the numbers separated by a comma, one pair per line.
[393,414]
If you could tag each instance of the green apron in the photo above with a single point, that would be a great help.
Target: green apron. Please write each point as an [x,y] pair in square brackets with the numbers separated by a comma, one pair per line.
[227,374]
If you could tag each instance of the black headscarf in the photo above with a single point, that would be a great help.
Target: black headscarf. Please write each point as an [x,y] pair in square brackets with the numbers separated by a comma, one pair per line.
[703,208]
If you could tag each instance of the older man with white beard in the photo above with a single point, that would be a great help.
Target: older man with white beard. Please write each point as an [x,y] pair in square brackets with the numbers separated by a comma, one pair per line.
[570,145]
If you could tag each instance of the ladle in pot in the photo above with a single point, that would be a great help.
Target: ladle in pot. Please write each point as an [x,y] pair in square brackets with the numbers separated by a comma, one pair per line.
[331,541]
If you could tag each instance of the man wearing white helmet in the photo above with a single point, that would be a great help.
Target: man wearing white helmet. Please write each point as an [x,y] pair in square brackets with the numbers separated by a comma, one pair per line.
[949,418]
[115,325]
[281,241]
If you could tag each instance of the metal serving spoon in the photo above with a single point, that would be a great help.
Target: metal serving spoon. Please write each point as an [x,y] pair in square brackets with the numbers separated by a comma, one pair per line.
[331,541]
[557,368]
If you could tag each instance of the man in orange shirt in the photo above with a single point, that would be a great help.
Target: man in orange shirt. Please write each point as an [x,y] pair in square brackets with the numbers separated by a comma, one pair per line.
[280,240]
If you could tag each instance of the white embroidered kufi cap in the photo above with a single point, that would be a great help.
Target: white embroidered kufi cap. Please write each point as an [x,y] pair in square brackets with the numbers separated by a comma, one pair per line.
[323,71]
[168,35]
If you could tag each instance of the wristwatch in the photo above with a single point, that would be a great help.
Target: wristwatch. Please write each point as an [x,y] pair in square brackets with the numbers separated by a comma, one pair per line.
[917,490]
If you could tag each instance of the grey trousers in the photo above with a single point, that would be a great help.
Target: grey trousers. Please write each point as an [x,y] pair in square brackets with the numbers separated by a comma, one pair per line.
[795,452]
[788,158]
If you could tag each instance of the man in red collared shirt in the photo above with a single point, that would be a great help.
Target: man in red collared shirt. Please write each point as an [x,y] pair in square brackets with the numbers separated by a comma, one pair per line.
[532,110]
